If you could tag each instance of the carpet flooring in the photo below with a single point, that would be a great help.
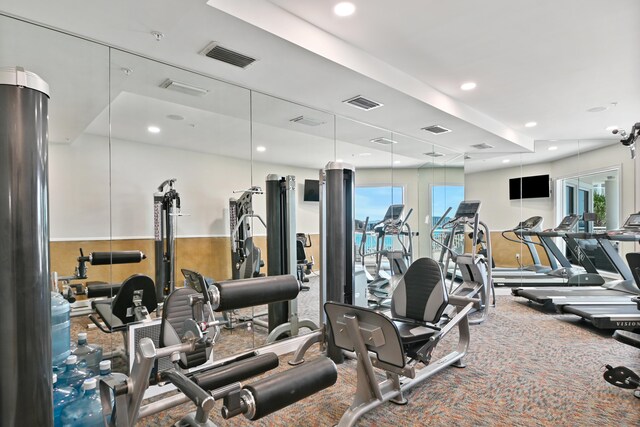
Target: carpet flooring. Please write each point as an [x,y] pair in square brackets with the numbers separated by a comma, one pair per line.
[524,368]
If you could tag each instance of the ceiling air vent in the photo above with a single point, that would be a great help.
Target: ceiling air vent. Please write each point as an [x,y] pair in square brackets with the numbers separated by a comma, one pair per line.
[309,121]
[436,129]
[434,154]
[183,88]
[383,141]
[483,146]
[362,103]
[214,51]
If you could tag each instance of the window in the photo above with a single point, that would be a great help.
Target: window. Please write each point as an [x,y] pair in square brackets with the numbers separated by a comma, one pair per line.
[589,193]
[372,203]
[442,198]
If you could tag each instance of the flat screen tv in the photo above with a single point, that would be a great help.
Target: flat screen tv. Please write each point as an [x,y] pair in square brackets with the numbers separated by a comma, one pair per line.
[311,190]
[529,187]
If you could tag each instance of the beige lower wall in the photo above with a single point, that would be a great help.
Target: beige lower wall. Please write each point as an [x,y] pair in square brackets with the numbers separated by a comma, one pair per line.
[210,256]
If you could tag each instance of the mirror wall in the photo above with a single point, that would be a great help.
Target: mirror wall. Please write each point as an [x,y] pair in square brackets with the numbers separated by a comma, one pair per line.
[122,125]
[77,72]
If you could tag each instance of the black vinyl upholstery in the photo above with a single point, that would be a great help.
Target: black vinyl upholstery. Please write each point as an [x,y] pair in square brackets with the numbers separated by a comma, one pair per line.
[118,311]
[177,308]
[421,294]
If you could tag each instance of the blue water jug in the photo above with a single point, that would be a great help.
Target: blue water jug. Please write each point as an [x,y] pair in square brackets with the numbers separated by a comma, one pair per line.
[62,396]
[72,376]
[85,411]
[89,355]
[105,373]
[60,329]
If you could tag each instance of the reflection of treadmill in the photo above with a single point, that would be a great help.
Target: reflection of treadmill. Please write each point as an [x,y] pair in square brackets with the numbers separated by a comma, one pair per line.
[589,301]
[523,237]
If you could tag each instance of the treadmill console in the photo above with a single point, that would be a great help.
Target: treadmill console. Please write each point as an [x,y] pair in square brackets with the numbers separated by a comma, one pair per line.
[567,223]
[629,232]
[530,224]
[633,221]
[468,209]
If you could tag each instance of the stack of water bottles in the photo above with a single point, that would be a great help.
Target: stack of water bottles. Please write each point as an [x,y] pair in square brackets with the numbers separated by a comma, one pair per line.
[75,386]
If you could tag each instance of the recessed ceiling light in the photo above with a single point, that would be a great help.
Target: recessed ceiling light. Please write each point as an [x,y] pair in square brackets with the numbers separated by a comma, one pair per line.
[468,86]
[552,148]
[610,128]
[175,117]
[261,149]
[506,161]
[344,8]
[364,154]
[396,162]
[530,124]
[153,129]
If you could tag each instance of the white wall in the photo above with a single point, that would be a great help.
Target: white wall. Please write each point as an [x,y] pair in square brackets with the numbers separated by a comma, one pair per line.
[492,187]
[80,194]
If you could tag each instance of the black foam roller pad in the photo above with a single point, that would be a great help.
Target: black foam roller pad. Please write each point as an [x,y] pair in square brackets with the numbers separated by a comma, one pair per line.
[120,257]
[95,290]
[260,290]
[236,371]
[284,388]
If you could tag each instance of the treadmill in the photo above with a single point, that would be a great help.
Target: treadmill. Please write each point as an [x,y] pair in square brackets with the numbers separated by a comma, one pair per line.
[608,313]
[561,271]
[593,298]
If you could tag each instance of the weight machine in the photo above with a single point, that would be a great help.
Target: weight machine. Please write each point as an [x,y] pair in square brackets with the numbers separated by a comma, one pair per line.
[246,258]
[166,209]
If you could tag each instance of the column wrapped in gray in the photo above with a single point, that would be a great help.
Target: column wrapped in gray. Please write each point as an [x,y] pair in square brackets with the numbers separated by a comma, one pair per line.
[25,317]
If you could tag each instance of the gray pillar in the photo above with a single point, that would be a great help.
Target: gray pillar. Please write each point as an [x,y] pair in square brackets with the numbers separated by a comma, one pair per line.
[25,317]
[337,198]
[277,244]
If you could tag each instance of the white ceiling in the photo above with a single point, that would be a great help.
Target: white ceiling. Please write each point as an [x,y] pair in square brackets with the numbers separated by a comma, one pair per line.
[548,63]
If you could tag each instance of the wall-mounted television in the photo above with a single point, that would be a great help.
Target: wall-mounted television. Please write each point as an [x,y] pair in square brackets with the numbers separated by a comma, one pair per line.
[311,190]
[529,187]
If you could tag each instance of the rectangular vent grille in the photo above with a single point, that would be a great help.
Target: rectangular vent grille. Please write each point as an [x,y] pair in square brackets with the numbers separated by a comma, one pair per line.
[434,154]
[483,146]
[215,51]
[362,103]
[306,121]
[436,129]
[383,141]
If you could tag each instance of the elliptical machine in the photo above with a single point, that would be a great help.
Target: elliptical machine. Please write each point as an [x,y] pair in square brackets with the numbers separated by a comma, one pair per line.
[394,224]
[475,269]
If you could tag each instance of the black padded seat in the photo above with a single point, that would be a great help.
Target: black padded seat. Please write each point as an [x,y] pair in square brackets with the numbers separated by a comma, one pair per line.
[412,333]
[627,337]
[118,311]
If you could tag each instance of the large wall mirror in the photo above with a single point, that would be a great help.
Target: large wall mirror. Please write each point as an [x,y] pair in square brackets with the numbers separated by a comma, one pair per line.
[290,144]
[77,72]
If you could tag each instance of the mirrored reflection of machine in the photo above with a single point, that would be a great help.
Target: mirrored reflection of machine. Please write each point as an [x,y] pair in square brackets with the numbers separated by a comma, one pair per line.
[246,257]
[394,245]
[282,252]
[475,269]
[166,209]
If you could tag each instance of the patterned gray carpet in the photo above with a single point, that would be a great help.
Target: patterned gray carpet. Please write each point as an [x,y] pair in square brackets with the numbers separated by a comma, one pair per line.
[524,368]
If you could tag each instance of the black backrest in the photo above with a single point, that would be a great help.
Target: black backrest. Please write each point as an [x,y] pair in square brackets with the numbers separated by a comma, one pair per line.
[421,293]
[123,300]
[177,308]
